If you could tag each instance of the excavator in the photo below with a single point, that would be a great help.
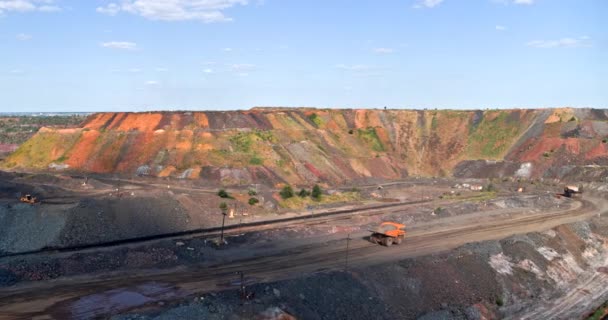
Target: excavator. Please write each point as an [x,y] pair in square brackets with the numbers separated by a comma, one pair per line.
[28,198]
[388,233]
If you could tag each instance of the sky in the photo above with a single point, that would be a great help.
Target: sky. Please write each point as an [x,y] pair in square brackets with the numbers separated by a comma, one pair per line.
[144,55]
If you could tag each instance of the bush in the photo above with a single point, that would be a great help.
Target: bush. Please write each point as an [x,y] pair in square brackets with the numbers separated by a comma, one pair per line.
[499,301]
[316,192]
[252,192]
[224,194]
[223,207]
[491,188]
[253,201]
[286,192]
[256,161]
[303,193]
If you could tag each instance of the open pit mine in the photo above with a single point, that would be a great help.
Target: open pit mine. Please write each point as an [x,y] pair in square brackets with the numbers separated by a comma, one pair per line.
[304,213]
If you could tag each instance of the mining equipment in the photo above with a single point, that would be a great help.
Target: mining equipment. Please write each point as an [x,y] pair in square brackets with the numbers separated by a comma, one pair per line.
[388,233]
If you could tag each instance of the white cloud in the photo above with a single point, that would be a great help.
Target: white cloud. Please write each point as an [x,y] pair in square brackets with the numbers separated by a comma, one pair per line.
[161,69]
[122,45]
[383,50]
[427,3]
[27,6]
[521,2]
[227,49]
[134,70]
[48,8]
[23,37]
[111,9]
[208,71]
[17,71]
[355,67]
[501,28]
[152,83]
[242,67]
[561,43]
[207,11]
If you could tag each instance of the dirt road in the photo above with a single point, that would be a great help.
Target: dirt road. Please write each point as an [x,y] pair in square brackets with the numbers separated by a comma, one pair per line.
[88,297]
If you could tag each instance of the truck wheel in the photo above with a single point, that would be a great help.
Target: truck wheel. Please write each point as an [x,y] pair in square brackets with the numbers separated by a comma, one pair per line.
[388,241]
[373,239]
[398,240]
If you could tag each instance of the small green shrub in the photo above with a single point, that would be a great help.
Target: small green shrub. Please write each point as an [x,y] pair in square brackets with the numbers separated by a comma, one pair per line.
[223,207]
[252,192]
[286,192]
[253,201]
[317,192]
[303,193]
[500,302]
[224,194]
[256,161]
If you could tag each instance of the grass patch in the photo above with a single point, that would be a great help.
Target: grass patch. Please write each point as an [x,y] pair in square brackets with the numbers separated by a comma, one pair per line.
[599,313]
[370,137]
[301,203]
[315,119]
[256,161]
[491,138]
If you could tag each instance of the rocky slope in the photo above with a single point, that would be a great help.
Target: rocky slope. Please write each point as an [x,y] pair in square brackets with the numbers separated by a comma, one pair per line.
[299,146]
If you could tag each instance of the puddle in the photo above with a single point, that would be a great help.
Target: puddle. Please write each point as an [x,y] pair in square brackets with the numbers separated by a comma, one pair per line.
[120,300]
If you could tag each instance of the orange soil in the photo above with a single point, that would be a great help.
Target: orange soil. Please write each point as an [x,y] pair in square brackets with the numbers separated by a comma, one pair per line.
[82,150]
[141,122]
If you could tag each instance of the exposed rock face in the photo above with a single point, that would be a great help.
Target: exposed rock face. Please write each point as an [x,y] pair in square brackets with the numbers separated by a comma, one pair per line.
[308,145]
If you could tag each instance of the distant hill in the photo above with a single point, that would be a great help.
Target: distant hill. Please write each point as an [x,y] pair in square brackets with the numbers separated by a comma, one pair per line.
[18,127]
[303,145]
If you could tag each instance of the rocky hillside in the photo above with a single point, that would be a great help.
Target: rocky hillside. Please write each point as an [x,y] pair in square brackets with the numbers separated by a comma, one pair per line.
[298,146]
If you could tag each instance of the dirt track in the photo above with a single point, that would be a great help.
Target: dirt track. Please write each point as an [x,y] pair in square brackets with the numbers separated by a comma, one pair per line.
[79,297]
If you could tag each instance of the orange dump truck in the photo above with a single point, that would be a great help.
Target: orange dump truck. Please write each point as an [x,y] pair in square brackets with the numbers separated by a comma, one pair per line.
[388,233]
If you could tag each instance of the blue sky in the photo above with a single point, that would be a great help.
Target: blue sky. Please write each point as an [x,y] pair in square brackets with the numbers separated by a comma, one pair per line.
[140,55]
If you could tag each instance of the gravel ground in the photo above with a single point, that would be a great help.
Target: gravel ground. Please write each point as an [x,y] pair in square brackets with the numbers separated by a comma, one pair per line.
[24,227]
[332,296]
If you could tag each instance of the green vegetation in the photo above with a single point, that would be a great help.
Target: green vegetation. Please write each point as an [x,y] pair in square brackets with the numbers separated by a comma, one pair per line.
[224,207]
[303,193]
[253,201]
[224,194]
[370,137]
[256,161]
[18,129]
[491,138]
[286,192]
[36,152]
[317,193]
[600,313]
[241,142]
[491,188]
[434,124]
[499,302]
[315,119]
[252,192]
[301,203]
[265,135]
[572,119]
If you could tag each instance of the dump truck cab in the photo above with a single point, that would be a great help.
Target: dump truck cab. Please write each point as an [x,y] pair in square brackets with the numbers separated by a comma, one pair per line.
[571,191]
[388,233]
[28,198]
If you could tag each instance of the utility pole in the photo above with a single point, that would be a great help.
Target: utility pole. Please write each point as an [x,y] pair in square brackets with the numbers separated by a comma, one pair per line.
[348,238]
[224,209]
